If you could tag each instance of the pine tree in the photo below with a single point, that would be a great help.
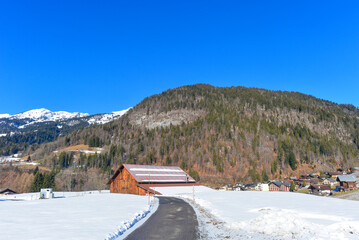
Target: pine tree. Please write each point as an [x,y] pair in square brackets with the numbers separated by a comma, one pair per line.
[37,182]
[265,177]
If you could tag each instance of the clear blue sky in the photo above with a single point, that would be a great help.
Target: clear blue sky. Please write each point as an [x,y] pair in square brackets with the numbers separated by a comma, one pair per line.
[103,56]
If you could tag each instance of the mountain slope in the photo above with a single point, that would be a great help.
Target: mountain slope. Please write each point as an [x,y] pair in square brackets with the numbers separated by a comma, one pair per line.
[226,134]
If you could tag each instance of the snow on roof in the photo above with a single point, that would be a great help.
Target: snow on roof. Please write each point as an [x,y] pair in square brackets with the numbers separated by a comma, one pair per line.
[158,174]
[345,178]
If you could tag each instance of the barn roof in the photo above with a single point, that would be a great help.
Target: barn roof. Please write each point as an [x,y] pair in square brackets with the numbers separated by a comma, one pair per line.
[155,174]
[347,178]
[158,174]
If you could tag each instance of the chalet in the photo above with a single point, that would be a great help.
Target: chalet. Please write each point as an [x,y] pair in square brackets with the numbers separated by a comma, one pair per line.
[316,181]
[354,169]
[332,182]
[343,170]
[314,175]
[240,186]
[7,191]
[140,179]
[263,187]
[285,187]
[274,186]
[293,179]
[228,187]
[334,175]
[320,189]
[347,182]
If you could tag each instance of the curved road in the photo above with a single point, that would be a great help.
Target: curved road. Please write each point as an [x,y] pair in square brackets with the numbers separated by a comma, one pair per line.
[174,219]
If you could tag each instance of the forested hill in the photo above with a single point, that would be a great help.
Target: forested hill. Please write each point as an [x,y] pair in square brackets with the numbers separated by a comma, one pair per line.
[221,134]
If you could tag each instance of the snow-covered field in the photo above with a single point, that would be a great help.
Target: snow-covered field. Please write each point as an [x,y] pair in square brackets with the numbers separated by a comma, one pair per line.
[270,215]
[83,215]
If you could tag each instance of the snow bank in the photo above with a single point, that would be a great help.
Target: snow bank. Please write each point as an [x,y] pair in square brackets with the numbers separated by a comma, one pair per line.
[280,215]
[75,215]
[126,227]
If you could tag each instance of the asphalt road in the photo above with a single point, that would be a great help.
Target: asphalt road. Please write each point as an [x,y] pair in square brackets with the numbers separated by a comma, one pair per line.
[174,219]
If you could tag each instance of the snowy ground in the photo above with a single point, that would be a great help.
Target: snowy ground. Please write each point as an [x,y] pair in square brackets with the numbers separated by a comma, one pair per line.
[270,215]
[83,215]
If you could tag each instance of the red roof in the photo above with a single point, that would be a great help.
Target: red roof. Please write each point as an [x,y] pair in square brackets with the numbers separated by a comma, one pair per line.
[158,174]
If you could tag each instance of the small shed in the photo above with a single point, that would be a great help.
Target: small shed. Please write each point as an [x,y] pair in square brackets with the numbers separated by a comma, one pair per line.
[141,179]
[46,193]
[7,191]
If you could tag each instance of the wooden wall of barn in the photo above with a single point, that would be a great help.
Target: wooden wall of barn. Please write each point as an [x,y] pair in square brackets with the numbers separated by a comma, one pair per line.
[126,183]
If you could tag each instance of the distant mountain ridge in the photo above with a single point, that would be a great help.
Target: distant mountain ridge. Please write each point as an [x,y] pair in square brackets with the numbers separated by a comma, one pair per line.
[19,131]
[45,115]
[35,116]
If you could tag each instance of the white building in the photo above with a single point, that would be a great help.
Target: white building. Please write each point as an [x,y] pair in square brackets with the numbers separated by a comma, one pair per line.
[46,193]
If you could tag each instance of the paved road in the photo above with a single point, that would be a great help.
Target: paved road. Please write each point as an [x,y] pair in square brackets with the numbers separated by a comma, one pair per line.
[174,219]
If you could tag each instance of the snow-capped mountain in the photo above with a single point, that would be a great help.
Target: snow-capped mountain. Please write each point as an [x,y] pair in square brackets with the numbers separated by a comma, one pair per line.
[20,131]
[5,115]
[43,114]
[37,118]
[105,118]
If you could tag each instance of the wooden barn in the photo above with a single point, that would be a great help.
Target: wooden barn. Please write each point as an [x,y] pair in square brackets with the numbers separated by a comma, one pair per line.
[347,182]
[140,179]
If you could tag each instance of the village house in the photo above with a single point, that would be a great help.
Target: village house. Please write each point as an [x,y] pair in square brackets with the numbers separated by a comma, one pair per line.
[285,187]
[141,179]
[334,175]
[228,187]
[240,186]
[332,182]
[274,185]
[316,181]
[354,169]
[264,187]
[314,175]
[343,170]
[347,182]
[320,189]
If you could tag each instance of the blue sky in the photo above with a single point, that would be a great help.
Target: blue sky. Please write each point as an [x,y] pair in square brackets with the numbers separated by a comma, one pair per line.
[103,56]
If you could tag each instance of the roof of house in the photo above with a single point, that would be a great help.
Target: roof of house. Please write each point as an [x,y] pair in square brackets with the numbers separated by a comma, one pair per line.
[7,190]
[346,178]
[277,183]
[156,174]
[332,180]
[287,184]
